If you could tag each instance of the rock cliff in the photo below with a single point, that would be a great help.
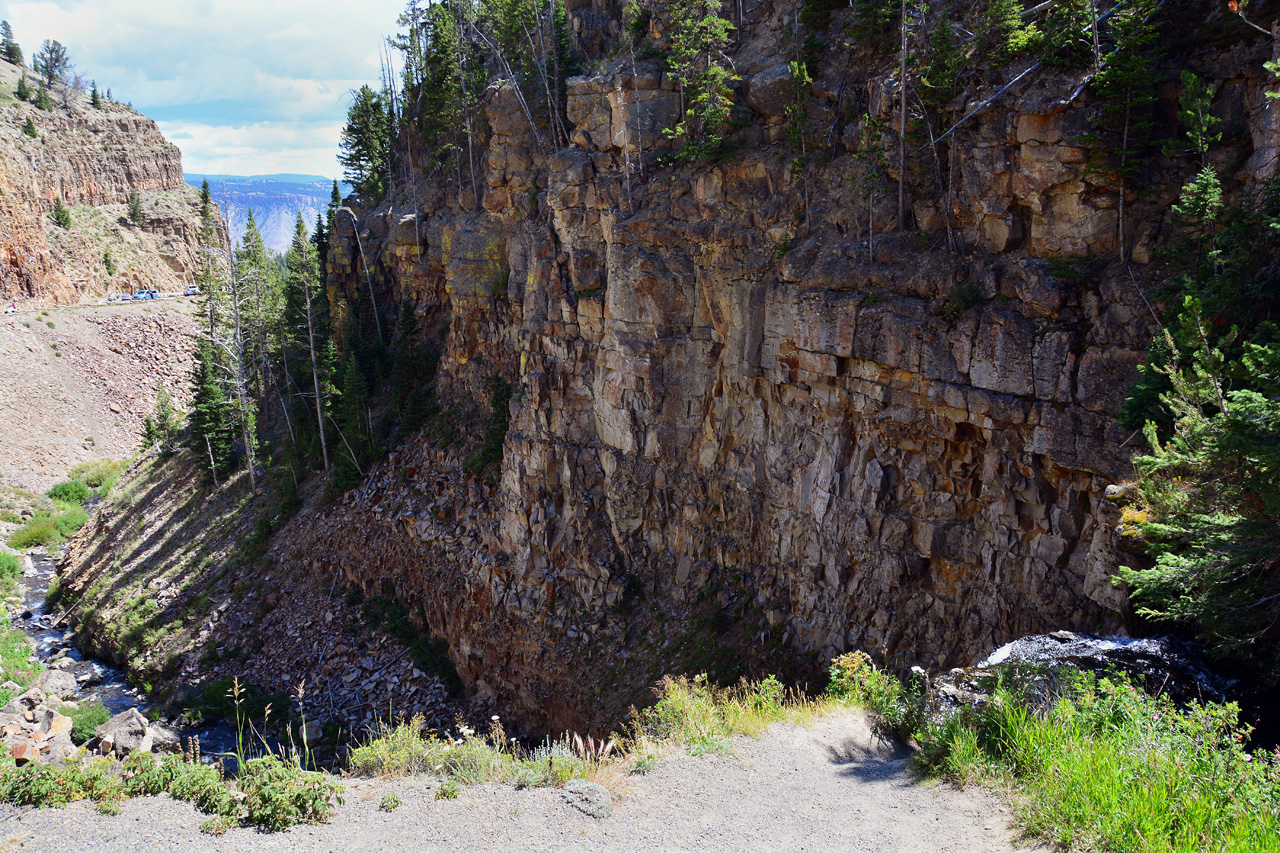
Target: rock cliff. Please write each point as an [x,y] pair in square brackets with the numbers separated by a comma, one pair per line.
[92,160]
[752,414]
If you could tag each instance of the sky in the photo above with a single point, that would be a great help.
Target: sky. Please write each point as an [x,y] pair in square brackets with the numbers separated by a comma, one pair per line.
[243,87]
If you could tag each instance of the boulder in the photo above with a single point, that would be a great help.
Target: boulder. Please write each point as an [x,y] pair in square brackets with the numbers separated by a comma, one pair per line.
[772,91]
[55,682]
[28,701]
[52,723]
[124,733]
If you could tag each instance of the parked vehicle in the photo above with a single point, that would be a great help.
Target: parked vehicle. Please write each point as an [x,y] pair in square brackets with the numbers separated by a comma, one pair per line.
[193,290]
[141,295]
[125,297]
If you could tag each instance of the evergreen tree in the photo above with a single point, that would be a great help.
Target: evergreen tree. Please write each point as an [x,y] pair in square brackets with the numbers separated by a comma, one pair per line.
[307,333]
[212,416]
[23,92]
[699,39]
[95,100]
[162,428]
[320,243]
[43,101]
[366,143]
[9,49]
[108,263]
[1126,84]
[52,62]
[30,128]
[352,420]
[135,208]
[60,215]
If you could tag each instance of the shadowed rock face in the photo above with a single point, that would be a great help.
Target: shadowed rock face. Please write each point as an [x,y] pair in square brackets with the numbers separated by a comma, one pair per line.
[749,410]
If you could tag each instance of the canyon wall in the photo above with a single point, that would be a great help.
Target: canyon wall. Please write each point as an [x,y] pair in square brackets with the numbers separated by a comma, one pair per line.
[92,160]
[755,419]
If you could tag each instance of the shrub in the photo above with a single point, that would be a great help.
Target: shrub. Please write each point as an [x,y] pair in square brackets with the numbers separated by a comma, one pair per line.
[96,473]
[279,794]
[10,569]
[60,215]
[71,491]
[35,533]
[30,128]
[86,718]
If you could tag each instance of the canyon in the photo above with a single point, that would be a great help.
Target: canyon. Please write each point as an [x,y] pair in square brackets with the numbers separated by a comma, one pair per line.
[756,420]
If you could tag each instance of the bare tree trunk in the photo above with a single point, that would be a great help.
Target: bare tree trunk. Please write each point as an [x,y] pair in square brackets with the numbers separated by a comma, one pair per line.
[315,378]
[902,123]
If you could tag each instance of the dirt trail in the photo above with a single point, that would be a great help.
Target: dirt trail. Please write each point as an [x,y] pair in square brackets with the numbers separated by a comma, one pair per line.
[832,787]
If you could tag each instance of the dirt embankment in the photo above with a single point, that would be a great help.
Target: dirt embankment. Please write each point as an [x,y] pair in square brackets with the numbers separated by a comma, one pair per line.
[77,383]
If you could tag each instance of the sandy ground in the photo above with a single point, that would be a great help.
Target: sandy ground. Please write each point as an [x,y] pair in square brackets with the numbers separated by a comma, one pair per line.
[832,787]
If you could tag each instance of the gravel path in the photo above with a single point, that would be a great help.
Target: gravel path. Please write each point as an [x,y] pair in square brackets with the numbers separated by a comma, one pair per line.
[830,787]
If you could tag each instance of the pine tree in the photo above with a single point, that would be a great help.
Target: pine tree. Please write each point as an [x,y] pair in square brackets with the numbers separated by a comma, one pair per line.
[30,128]
[212,417]
[135,208]
[163,427]
[95,100]
[699,39]
[23,91]
[366,143]
[52,62]
[60,215]
[320,242]
[1126,84]
[9,49]
[307,330]
[108,263]
[43,101]
[352,418]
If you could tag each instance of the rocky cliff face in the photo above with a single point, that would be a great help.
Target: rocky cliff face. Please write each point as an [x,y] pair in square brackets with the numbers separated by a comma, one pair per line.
[753,416]
[92,160]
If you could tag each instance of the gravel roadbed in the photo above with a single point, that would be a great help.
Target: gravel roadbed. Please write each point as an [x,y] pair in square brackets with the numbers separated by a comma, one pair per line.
[830,787]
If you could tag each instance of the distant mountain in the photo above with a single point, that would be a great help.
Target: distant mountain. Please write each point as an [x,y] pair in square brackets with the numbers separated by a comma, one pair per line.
[274,199]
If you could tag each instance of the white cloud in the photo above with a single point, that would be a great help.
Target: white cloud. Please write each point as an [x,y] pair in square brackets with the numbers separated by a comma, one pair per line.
[260,84]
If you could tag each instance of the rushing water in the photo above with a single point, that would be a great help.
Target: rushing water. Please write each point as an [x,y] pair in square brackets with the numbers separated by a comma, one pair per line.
[96,679]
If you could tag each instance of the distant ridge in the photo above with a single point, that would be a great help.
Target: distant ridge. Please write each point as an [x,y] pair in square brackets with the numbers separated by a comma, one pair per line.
[275,201]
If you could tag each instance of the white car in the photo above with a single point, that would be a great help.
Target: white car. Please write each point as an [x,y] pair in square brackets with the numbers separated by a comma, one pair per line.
[193,290]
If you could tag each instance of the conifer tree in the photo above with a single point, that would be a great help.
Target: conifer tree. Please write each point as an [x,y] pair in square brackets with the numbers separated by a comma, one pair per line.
[61,216]
[699,39]
[9,49]
[212,416]
[30,128]
[52,62]
[23,91]
[307,329]
[43,101]
[135,208]
[365,144]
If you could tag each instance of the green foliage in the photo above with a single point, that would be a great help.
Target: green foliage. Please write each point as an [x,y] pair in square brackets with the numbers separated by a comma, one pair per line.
[30,128]
[108,263]
[86,718]
[52,62]
[279,794]
[429,655]
[390,802]
[9,49]
[47,528]
[856,680]
[23,91]
[98,474]
[1107,767]
[872,21]
[95,100]
[71,491]
[212,416]
[43,101]
[1195,118]
[1068,33]
[10,571]
[1003,32]
[939,77]
[135,208]
[60,215]
[366,143]
[699,37]
[163,428]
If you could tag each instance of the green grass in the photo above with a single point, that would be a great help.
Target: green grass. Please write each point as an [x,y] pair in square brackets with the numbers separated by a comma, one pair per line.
[47,528]
[10,571]
[15,659]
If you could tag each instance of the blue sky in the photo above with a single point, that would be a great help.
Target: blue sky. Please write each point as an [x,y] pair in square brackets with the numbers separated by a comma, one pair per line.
[243,87]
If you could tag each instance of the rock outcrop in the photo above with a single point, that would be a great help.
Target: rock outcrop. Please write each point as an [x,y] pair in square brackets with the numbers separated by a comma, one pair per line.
[748,404]
[92,160]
